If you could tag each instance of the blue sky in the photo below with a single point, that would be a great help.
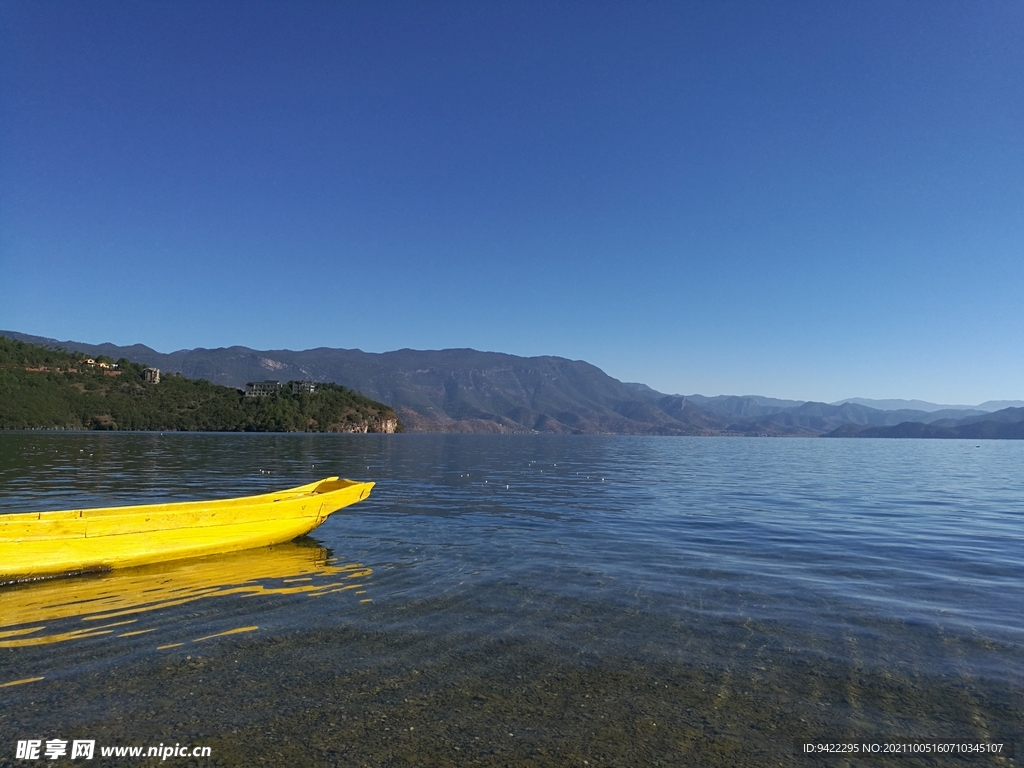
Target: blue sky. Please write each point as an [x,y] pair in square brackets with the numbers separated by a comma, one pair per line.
[806,200]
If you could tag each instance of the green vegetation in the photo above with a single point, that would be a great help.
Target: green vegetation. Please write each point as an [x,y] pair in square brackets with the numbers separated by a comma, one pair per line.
[43,388]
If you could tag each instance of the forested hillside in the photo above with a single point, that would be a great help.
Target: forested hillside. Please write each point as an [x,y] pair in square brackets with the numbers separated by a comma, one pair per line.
[42,388]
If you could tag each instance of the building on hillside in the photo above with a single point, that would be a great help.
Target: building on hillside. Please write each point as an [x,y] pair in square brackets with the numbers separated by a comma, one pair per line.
[262,388]
[309,387]
[152,375]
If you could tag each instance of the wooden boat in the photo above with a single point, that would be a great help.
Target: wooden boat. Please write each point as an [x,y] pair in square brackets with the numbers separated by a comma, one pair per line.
[36,544]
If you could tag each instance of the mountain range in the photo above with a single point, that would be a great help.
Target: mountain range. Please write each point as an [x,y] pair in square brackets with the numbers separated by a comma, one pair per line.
[1004,424]
[465,390]
[922,405]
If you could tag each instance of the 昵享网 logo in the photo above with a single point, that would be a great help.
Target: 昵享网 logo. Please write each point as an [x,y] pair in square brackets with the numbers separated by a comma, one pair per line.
[51,749]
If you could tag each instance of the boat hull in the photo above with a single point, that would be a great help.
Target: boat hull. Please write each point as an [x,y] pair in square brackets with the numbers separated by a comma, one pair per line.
[38,544]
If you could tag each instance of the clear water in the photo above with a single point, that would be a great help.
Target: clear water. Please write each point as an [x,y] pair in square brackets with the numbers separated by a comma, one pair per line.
[547,600]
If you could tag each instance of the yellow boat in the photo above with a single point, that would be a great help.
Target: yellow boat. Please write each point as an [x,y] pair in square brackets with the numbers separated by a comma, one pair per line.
[129,601]
[36,544]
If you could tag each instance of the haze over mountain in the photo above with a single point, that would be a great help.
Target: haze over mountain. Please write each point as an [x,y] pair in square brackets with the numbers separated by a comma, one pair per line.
[465,390]
[1004,424]
[922,405]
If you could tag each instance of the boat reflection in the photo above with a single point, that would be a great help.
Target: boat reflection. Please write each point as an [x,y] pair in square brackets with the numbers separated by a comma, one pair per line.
[108,604]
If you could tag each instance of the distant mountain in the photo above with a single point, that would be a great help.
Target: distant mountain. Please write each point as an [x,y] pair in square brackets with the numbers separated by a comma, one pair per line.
[923,405]
[998,405]
[1006,424]
[753,415]
[452,390]
[464,390]
[728,406]
[1004,416]
[743,405]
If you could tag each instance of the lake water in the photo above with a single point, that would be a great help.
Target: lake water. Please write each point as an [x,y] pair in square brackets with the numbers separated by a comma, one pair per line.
[535,600]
